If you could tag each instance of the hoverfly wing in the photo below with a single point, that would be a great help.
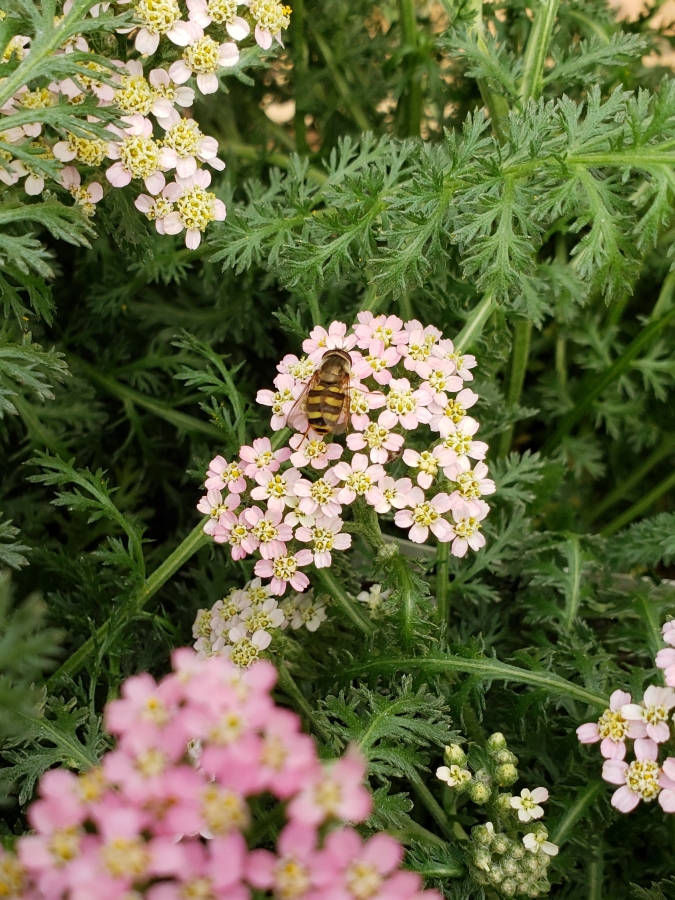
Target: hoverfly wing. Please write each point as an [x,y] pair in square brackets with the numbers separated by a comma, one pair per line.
[297,417]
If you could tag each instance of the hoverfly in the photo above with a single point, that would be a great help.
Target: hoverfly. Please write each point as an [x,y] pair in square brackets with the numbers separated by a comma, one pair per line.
[325,401]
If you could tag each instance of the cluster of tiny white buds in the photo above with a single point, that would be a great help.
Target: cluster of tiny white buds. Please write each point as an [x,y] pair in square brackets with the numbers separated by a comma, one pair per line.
[286,505]
[155,140]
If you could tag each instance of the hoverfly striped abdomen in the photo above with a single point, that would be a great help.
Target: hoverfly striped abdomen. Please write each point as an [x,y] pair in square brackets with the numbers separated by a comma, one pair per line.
[328,392]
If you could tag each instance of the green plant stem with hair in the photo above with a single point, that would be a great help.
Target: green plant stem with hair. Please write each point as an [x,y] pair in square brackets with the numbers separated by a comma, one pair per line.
[573,815]
[640,506]
[520,355]
[442,583]
[411,116]
[348,606]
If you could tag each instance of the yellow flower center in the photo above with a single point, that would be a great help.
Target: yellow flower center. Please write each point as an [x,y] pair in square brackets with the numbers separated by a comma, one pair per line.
[425,514]
[90,152]
[291,879]
[428,463]
[11,877]
[460,443]
[642,778]
[466,528]
[468,485]
[302,369]
[184,138]
[228,729]
[125,857]
[277,487]
[328,796]
[323,539]
[139,156]
[203,56]
[158,16]
[244,653]
[384,334]
[222,10]
[135,96]
[401,402]
[91,784]
[280,398]
[223,810]
[358,404]
[375,435]
[198,889]
[270,15]
[284,567]
[196,207]
[265,531]
[454,411]
[321,491]
[151,763]
[359,482]
[38,99]
[202,625]
[363,881]
[238,534]
[64,845]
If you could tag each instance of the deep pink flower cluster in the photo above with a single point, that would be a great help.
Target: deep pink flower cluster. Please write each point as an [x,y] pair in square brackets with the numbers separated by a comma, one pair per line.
[406,388]
[166,815]
[144,148]
[647,724]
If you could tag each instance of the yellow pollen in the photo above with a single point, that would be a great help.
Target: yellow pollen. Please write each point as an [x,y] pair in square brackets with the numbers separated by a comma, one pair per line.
[363,881]
[222,11]
[228,729]
[359,482]
[291,879]
[135,96]
[125,857]
[274,753]
[321,491]
[425,514]
[203,56]
[328,795]
[196,208]
[223,810]
[375,435]
[401,402]
[158,16]
[91,784]
[270,15]
[454,411]
[64,845]
[244,653]
[642,778]
[184,138]
[139,156]
[12,877]
[284,567]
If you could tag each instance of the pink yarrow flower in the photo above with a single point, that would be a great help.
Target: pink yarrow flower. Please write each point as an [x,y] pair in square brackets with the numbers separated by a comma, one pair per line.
[282,400]
[195,208]
[459,440]
[638,780]
[387,329]
[361,402]
[320,340]
[466,526]
[419,349]
[336,791]
[425,515]
[451,410]
[463,363]
[156,209]
[320,496]
[298,863]
[441,379]
[359,478]
[204,12]
[86,197]
[404,406]
[612,728]
[311,450]
[377,363]
[326,536]
[283,570]
[277,488]
[213,505]
[224,475]
[261,458]
[428,462]
[203,57]
[388,493]
[269,530]
[381,442]
[235,531]
[667,785]
[653,712]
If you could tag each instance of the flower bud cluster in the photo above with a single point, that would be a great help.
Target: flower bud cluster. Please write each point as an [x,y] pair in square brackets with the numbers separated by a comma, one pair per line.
[648,725]
[499,854]
[155,142]
[243,624]
[409,452]
[151,823]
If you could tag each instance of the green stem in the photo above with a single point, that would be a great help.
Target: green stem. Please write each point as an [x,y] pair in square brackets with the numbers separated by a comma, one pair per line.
[665,298]
[412,98]
[442,583]
[186,549]
[520,355]
[245,151]
[488,669]
[370,300]
[474,324]
[289,686]
[576,812]
[640,506]
[593,385]
[536,51]
[340,82]
[433,807]
[313,303]
[496,105]
[648,614]
[574,571]
[179,420]
[665,448]
[595,874]
[407,599]
[333,587]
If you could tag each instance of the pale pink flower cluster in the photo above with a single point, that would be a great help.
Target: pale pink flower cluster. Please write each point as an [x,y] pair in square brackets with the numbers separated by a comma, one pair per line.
[155,142]
[153,823]
[243,624]
[409,449]
[647,724]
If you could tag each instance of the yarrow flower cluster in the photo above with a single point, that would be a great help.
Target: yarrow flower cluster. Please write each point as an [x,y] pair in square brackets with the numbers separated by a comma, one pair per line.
[155,142]
[243,624]
[409,451]
[167,813]
[648,725]
[499,854]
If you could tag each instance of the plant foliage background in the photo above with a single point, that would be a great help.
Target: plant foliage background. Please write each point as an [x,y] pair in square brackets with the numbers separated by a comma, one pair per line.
[506,169]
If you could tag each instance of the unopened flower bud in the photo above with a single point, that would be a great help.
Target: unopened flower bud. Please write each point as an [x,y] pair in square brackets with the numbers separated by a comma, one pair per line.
[504,757]
[504,802]
[508,887]
[454,755]
[479,792]
[495,742]
[481,858]
[484,776]
[530,863]
[495,875]
[510,866]
[483,834]
[518,852]
[500,844]
[507,775]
